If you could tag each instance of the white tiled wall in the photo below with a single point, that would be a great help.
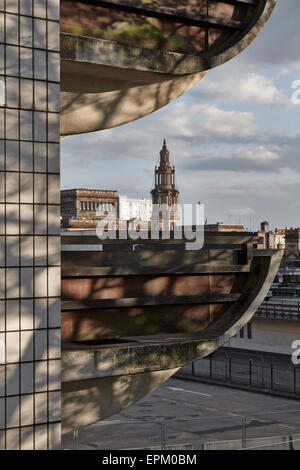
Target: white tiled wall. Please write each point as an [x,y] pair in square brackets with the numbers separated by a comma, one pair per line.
[29,224]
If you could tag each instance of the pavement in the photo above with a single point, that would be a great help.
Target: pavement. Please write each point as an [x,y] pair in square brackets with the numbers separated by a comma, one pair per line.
[182,412]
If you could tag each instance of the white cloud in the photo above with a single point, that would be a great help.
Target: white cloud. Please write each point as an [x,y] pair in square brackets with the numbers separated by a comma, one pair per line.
[250,88]
[261,154]
[241,211]
[257,154]
[204,121]
[228,124]
[240,159]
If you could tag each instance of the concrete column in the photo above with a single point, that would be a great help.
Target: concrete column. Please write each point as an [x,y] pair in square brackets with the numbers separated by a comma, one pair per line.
[29,225]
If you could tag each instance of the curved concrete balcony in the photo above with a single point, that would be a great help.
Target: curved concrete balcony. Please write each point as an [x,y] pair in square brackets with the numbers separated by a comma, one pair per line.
[130,319]
[124,59]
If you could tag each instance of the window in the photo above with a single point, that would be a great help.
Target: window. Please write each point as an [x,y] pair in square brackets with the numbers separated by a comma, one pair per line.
[249,330]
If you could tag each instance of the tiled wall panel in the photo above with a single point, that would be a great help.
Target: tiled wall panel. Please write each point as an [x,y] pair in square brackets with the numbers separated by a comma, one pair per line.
[29,225]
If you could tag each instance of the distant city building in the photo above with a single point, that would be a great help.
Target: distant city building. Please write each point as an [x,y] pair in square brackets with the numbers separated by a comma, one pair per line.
[280,238]
[292,243]
[266,237]
[269,331]
[137,209]
[221,227]
[276,323]
[82,208]
[165,192]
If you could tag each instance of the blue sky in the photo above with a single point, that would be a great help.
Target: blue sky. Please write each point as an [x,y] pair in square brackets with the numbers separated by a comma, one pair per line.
[234,138]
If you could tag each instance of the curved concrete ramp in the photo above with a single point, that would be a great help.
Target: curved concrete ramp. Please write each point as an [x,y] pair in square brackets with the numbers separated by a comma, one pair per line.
[111,74]
[101,377]
[88,401]
[95,97]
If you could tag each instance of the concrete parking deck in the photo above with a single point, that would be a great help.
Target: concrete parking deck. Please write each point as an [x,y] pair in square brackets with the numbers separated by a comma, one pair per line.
[193,413]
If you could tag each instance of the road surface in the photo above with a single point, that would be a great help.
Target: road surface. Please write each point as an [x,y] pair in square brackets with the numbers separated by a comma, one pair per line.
[184,412]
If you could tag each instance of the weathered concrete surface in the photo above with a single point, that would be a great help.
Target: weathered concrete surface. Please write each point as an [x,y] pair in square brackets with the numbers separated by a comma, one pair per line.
[95,96]
[93,372]
[147,302]
[87,401]
[111,53]
[106,84]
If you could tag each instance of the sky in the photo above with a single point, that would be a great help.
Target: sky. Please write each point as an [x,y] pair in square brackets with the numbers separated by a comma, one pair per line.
[234,138]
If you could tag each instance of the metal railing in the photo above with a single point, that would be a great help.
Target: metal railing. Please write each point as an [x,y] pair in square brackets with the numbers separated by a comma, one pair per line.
[177,14]
[249,371]
[230,430]
[280,308]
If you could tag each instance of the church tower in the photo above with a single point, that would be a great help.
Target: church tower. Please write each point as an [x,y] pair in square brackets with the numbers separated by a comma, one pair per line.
[165,191]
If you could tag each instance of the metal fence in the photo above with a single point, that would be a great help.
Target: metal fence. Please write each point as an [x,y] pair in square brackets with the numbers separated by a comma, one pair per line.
[249,371]
[287,308]
[267,431]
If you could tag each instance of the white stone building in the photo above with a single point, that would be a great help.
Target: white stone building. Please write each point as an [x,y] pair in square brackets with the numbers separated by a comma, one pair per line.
[138,209]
